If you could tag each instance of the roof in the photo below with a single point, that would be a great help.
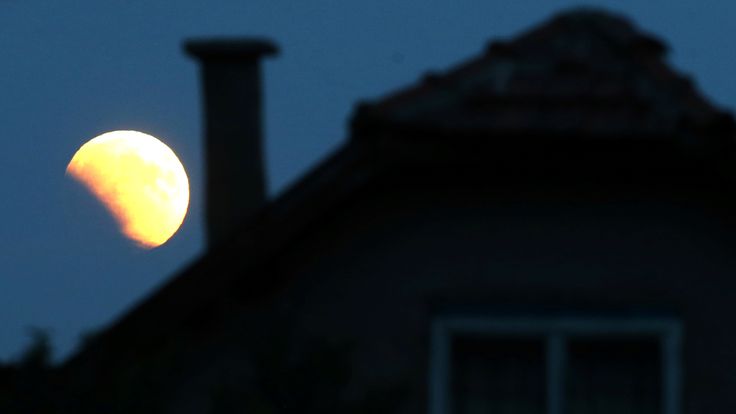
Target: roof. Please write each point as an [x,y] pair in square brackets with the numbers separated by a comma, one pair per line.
[585,73]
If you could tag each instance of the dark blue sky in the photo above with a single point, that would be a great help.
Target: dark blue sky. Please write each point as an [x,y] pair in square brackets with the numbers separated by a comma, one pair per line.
[74,69]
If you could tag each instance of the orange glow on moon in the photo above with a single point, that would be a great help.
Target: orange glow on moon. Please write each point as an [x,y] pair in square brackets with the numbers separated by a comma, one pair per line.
[139,180]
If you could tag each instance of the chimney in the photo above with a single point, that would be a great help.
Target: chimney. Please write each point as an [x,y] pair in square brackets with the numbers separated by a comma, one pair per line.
[235,179]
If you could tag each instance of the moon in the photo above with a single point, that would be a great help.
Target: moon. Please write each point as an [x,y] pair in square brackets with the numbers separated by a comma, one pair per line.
[139,180]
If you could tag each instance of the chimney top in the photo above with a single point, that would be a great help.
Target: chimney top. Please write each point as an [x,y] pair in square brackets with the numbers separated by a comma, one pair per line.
[230,49]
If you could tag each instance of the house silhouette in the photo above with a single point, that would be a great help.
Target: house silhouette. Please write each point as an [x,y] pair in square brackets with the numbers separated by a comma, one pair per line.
[547,227]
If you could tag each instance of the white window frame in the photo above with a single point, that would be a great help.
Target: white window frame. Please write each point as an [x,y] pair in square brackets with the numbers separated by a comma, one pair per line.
[555,331]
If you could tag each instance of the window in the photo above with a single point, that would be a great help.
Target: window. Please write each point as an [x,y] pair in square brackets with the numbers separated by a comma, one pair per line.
[483,365]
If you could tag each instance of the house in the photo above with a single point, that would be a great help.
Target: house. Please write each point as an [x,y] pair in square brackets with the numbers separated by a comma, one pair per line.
[547,227]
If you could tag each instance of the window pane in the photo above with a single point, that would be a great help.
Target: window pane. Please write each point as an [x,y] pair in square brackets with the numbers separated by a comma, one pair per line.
[498,375]
[613,376]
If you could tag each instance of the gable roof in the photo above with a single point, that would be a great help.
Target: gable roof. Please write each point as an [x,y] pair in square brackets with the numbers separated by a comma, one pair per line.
[584,74]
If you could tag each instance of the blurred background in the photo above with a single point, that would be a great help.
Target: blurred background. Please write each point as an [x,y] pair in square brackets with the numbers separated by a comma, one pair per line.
[73,70]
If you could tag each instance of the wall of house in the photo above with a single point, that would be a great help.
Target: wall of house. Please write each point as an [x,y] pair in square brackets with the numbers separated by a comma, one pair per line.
[383,268]
[366,281]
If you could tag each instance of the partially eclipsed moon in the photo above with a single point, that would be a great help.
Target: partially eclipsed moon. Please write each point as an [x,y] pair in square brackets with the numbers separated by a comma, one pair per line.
[139,180]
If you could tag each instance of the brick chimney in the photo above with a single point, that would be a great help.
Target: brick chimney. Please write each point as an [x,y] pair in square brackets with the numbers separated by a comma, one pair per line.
[235,179]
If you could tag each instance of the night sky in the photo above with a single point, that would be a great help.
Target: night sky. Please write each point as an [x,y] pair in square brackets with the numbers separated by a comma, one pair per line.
[74,69]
